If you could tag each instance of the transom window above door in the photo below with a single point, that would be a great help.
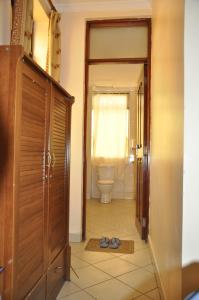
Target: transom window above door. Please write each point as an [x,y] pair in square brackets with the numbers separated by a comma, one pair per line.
[118,42]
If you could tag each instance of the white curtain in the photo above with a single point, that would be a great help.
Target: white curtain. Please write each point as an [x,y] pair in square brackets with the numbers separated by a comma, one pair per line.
[109,128]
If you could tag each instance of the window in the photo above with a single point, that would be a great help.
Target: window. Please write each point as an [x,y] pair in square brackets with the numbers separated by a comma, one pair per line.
[110,126]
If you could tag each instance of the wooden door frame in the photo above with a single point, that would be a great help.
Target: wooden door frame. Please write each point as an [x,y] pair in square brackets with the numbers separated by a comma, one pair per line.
[142,60]
[143,226]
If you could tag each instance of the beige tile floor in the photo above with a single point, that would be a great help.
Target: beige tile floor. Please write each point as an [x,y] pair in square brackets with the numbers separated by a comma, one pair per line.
[107,276]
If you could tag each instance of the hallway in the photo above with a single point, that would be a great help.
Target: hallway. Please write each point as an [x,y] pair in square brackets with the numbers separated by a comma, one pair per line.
[106,276]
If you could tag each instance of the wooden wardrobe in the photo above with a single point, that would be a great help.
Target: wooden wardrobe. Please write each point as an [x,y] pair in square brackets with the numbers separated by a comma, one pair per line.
[35,121]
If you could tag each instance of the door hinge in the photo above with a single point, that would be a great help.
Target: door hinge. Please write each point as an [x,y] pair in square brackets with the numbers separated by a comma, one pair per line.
[144,222]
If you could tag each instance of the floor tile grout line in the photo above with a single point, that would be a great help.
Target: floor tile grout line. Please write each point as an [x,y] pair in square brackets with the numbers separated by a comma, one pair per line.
[84,260]
[99,283]
[116,278]
[153,290]
[70,281]
[90,294]
[123,259]
[132,235]
[108,273]
[138,291]
[86,291]
[113,256]
[135,264]
[137,267]
[141,294]
[117,275]
[83,289]
[113,277]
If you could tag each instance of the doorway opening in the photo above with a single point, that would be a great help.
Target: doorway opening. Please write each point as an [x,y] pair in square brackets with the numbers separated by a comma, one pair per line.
[117,122]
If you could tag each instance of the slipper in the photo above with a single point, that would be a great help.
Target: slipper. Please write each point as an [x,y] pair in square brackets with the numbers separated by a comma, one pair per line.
[104,242]
[114,243]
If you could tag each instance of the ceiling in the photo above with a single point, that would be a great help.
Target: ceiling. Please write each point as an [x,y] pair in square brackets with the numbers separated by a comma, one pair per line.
[92,1]
[79,5]
[115,75]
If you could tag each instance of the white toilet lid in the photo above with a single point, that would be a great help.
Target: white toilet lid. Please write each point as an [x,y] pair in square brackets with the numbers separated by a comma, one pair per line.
[105,182]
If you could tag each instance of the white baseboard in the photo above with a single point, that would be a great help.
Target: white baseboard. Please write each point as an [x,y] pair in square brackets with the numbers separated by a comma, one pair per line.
[75,237]
[157,272]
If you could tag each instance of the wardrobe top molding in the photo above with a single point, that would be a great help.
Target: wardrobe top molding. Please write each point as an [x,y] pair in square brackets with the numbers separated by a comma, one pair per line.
[23,57]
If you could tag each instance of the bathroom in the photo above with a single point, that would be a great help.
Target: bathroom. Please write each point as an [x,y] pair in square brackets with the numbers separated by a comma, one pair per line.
[111,146]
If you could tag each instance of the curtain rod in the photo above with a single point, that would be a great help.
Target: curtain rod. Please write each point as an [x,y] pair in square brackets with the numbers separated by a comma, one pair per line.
[112,90]
[117,93]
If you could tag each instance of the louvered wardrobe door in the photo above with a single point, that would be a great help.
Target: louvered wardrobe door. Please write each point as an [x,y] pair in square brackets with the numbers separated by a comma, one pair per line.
[30,203]
[58,192]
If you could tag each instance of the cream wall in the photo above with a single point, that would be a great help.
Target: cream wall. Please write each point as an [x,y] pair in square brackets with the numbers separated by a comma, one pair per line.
[72,78]
[190,251]
[5,22]
[167,142]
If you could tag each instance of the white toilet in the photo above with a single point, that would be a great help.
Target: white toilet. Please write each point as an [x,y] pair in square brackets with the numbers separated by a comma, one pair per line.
[105,182]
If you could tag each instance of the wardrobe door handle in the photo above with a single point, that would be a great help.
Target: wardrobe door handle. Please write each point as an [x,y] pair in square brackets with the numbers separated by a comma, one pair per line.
[58,269]
[49,159]
[53,160]
[1,269]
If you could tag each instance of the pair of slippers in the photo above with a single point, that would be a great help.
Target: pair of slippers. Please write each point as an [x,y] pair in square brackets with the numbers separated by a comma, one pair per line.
[113,243]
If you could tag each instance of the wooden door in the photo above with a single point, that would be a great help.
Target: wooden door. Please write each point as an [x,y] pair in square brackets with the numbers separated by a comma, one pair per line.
[1,244]
[7,82]
[30,203]
[58,191]
[2,203]
[142,158]
[2,233]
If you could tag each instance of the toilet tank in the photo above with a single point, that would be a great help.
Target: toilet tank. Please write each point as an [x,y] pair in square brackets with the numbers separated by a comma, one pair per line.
[105,172]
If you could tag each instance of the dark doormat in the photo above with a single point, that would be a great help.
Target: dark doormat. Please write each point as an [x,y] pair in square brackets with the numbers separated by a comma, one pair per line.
[126,247]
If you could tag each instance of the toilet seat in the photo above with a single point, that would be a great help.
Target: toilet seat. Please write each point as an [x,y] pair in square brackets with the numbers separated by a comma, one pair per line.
[105,182]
